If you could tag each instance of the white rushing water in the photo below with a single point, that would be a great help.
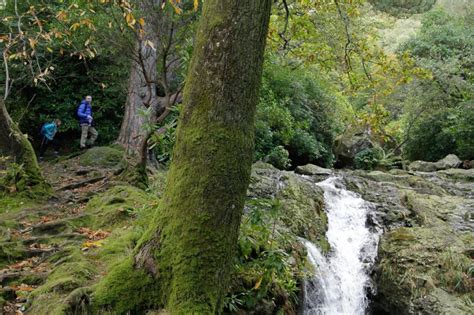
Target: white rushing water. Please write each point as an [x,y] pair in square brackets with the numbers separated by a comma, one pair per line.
[342,279]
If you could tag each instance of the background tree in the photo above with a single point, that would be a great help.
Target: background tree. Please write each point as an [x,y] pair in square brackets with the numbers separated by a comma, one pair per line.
[153,85]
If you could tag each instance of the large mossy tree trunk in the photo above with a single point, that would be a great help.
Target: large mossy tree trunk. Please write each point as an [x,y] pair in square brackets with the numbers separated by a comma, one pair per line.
[15,144]
[183,261]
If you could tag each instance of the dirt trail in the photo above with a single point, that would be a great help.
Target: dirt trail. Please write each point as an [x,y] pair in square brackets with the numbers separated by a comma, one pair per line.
[35,233]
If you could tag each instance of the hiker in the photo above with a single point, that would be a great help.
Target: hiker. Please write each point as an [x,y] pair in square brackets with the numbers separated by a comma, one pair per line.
[84,114]
[48,131]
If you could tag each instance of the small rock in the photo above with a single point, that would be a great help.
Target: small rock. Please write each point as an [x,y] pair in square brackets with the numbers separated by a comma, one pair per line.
[311,169]
[422,166]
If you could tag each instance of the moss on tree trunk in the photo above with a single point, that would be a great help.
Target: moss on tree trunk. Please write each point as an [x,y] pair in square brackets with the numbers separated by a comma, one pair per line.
[183,261]
[16,145]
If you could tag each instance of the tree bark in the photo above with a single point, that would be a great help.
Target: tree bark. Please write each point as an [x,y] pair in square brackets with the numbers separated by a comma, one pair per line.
[143,104]
[183,261]
[16,145]
[142,86]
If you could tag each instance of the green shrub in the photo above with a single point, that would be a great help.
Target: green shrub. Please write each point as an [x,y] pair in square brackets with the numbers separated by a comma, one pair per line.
[368,159]
[440,133]
[270,261]
[298,112]
[278,157]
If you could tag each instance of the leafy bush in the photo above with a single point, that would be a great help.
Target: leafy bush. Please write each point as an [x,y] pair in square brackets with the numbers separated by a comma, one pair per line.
[163,140]
[367,159]
[430,138]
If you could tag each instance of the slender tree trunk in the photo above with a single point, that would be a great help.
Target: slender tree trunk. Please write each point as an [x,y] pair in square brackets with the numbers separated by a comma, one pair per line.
[183,261]
[15,144]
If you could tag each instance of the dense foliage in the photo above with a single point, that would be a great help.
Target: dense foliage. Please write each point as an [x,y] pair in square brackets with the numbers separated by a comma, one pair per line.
[439,109]
[297,113]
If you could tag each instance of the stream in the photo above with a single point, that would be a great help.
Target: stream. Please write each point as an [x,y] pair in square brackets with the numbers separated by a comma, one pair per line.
[341,279]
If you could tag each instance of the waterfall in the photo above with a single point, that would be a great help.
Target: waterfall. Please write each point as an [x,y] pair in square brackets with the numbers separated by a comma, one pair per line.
[341,279]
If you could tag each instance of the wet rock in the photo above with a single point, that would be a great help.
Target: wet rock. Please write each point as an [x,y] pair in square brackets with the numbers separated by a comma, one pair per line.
[301,201]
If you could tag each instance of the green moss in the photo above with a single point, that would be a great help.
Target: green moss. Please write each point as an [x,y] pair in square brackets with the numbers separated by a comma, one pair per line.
[401,235]
[125,289]
[101,157]
[11,203]
[116,205]
[135,175]
[10,252]
[72,271]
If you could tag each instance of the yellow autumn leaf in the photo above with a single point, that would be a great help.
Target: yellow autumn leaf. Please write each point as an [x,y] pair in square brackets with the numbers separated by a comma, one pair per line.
[258,283]
[141,21]
[91,244]
[32,43]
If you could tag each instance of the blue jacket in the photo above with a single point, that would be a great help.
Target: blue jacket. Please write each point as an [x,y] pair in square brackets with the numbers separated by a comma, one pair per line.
[49,130]
[83,111]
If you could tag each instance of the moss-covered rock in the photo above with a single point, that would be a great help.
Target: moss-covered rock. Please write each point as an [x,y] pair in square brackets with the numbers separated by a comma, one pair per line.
[101,157]
[302,202]
[302,205]
[425,255]
[416,264]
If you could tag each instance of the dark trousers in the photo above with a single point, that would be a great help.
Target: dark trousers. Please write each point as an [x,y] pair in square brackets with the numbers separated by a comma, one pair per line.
[46,143]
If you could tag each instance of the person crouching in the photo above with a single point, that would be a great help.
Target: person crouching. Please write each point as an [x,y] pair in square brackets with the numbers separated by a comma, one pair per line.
[48,131]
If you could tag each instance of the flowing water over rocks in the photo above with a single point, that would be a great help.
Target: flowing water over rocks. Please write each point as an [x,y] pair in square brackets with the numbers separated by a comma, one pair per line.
[342,278]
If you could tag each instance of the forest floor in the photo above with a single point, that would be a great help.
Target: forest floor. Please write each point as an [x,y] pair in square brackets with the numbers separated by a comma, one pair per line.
[31,233]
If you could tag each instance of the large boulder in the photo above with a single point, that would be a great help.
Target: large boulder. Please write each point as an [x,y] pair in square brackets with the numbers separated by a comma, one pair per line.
[347,145]
[105,157]
[450,161]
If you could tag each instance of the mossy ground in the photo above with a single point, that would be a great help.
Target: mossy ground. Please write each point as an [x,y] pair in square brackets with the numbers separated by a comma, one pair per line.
[61,247]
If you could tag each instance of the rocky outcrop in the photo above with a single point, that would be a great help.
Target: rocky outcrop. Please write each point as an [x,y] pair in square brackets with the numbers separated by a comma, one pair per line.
[450,161]
[426,252]
[302,202]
